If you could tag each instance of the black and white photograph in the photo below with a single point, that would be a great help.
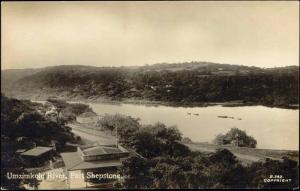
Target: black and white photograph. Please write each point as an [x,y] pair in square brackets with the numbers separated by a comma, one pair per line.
[149,95]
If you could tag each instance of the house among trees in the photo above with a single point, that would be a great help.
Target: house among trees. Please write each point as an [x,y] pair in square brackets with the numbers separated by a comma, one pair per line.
[87,117]
[93,160]
[37,156]
[234,141]
[235,137]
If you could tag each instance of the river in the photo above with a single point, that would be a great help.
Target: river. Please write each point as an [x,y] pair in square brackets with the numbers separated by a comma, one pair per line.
[273,128]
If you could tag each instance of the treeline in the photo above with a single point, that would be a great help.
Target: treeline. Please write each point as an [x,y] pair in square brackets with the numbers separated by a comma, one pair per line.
[165,163]
[147,140]
[24,125]
[180,83]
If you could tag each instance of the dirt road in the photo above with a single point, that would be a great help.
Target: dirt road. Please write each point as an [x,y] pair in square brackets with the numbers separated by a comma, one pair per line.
[89,136]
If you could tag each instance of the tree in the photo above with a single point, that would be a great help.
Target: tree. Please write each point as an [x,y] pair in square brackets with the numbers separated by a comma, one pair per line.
[126,125]
[21,127]
[136,172]
[186,140]
[12,163]
[147,145]
[235,137]
[223,170]
[287,168]
[219,139]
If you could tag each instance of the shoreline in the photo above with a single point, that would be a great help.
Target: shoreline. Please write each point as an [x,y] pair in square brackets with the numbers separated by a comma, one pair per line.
[102,99]
[206,146]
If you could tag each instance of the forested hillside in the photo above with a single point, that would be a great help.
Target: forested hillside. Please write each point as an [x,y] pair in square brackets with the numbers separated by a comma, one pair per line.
[23,125]
[183,83]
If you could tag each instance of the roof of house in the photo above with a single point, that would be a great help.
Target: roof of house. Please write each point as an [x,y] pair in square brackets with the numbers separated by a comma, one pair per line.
[37,151]
[100,150]
[20,150]
[74,162]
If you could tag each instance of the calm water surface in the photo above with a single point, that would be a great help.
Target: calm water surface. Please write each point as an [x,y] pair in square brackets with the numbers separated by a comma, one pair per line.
[273,128]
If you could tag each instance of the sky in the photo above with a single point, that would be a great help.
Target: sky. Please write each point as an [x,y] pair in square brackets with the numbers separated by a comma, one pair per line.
[40,34]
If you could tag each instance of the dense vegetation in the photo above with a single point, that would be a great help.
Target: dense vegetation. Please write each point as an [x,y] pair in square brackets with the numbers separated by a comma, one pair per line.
[67,112]
[217,170]
[23,125]
[235,137]
[149,140]
[167,163]
[184,83]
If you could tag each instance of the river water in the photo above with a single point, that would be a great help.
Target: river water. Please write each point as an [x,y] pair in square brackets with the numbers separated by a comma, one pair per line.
[273,128]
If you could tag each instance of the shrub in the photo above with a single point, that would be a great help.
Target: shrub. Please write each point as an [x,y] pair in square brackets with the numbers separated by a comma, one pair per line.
[235,137]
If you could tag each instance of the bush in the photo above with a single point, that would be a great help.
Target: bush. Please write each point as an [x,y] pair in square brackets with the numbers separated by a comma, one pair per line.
[287,168]
[186,140]
[219,140]
[235,137]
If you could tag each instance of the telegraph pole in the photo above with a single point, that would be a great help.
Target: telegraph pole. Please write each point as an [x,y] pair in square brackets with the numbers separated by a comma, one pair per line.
[117,134]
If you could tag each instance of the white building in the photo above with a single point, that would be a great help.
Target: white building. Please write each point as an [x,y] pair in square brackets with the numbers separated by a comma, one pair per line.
[90,161]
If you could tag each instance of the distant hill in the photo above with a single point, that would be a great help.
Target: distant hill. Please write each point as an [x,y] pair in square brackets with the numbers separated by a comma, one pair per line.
[181,83]
[200,66]
[10,76]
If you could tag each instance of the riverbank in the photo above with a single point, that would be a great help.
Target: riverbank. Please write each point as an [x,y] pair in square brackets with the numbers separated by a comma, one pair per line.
[244,154]
[90,134]
[67,96]
[203,124]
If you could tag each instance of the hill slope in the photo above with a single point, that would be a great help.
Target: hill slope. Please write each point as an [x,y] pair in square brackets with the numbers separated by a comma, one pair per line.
[181,83]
